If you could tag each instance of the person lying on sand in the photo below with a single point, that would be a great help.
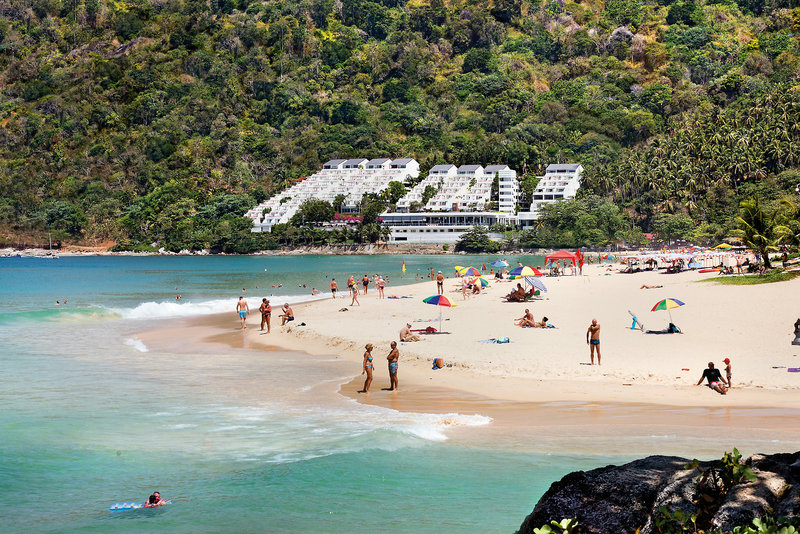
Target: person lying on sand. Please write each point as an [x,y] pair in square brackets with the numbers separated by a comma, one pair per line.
[407,335]
[526,320]
[645,286]
[541,324]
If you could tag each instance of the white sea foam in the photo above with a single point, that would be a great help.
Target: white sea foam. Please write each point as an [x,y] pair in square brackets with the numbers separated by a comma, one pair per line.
[187,308]
[136,344]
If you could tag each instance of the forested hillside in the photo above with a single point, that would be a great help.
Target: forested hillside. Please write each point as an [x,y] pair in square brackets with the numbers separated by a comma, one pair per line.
[164,120]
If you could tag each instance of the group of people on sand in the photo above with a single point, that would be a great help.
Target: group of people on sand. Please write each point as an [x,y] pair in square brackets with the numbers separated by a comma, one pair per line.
[368,367]
[528,320]
[378,281]
[243,309]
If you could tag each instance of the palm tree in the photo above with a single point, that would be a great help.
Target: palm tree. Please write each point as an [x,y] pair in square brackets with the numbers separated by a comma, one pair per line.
[788,231]
[756,228]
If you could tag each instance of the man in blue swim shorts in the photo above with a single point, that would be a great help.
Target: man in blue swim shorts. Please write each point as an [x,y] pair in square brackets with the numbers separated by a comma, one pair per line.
[242,309]
[593,340]
[393,356]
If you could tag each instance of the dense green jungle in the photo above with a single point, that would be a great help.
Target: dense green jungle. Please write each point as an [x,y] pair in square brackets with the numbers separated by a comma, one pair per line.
[158,123]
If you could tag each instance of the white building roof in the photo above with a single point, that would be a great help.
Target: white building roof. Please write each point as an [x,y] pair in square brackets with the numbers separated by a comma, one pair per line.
[495,168]
[554,167]
[469,168]
[356,162]
[442,168]
[402,161]
[378,161]
[334,163]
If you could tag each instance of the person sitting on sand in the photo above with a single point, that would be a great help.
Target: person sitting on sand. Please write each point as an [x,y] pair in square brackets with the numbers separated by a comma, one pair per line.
[715,380]
[476,288]
[526,320]
[287,315]
[518,295]
[645,286]
[407,335]
[154,500]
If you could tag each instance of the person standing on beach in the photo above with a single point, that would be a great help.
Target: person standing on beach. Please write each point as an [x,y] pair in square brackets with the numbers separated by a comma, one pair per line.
[381,284]
[365,283]
[354,294]
[593,340]
[333,287]
[266,314]
[728,371]
[439,283]
[367,368]
[242,309]
[393,357]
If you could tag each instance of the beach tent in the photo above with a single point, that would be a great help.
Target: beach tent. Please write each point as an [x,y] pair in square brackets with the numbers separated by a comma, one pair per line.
[561,255]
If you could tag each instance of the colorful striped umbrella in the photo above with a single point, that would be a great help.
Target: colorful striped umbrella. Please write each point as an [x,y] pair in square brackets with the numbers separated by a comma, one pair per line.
[440,300]
[499,263]
[668,304]
[469,271]
[481,280]
[525,271]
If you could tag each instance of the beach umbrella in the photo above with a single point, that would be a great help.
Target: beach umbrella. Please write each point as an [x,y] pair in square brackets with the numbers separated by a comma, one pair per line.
[481,280]
[459,267]
[668,304]
[440,300]
[537,283]
[525,271]
[724,246]
[499,263]
[469,271]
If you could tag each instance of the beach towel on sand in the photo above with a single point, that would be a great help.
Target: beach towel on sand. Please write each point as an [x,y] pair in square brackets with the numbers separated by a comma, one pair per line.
[499,340]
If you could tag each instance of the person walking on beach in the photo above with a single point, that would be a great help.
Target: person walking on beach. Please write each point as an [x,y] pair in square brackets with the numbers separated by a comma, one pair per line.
[367,368]
[728,371]
[365,283]
[333,287]
[715,380]
[393,357]
[242,309]
[266,313]
[354,293]
[439,283]
[593,340]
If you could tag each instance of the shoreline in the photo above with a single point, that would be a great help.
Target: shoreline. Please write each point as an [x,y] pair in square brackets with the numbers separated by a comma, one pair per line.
[554,409]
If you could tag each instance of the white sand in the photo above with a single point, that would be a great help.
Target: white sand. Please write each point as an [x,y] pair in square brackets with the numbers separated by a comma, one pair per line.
[752,325]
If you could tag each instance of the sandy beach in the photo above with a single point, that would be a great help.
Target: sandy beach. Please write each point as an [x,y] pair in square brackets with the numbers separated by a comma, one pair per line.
[751,325]
[541,383]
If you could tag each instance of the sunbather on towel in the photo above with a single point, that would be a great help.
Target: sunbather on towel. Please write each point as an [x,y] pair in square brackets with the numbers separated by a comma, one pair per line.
[541,324]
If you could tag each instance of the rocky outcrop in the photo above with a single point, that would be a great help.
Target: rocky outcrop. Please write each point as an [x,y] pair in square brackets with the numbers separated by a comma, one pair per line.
[627,497]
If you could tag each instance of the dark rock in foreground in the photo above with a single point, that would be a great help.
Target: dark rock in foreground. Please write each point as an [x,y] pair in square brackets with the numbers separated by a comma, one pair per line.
[622,499]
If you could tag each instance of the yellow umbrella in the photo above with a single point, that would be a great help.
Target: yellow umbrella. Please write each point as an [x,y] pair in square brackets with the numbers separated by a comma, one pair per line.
[724,246]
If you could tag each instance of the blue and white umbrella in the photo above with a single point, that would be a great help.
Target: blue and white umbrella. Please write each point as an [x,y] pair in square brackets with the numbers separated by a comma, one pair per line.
[499,263]
[536,282]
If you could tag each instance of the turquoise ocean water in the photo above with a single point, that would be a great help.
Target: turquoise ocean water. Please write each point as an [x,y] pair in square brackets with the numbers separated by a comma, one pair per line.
[242,440]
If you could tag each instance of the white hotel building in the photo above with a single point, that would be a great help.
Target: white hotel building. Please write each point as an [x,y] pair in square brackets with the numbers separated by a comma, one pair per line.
[349,177]
[460,201]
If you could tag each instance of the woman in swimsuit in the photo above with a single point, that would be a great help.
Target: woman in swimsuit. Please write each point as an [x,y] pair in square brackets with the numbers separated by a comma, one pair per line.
[367,368]
[266,314]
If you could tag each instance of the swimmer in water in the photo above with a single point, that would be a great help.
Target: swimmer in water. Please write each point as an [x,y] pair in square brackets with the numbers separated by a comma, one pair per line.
[154,500]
